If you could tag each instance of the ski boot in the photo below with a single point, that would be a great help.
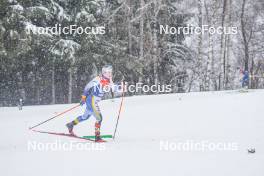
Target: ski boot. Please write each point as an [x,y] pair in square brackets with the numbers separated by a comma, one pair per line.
[99,139]
[70,128]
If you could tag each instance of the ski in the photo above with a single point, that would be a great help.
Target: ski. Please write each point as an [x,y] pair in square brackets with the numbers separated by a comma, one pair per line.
[67,135]
[243,90]
[102,136]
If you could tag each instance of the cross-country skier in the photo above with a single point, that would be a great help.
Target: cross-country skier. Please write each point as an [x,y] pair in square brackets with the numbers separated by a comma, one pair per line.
[245,79]
[92,94]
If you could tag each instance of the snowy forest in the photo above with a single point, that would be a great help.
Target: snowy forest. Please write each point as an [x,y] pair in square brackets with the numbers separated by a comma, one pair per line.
[45,68]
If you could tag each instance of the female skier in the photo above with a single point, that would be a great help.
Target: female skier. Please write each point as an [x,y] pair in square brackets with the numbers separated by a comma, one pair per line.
[92,94]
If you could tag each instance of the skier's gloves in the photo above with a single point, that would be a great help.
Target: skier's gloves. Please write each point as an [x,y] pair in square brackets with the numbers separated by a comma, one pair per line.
[83,100]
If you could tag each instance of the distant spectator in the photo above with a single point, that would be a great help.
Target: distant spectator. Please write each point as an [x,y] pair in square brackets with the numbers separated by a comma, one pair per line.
[245,78]
[20,104]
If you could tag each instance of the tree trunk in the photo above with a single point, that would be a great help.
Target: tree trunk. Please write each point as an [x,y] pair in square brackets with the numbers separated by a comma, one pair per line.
[129,27]
[141,42]
[245,42]
[37,87]
[70,85]
[200,43]
[223,51]
[228,46]
[156,53]
[71,73]
[213,79]
[53,88]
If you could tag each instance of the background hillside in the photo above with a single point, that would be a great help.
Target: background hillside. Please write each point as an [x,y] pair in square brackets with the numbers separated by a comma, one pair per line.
[48,69]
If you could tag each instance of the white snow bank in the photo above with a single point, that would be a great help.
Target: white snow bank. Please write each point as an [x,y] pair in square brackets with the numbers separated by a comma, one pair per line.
[146,121]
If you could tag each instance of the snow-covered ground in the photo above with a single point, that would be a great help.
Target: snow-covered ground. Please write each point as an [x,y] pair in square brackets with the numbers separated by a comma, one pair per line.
[157,135]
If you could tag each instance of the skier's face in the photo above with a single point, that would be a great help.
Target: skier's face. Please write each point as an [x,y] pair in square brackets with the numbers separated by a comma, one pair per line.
[108,74]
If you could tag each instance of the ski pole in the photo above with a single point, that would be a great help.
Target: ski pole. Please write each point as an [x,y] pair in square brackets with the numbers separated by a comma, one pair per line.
[121,104]
[55,116]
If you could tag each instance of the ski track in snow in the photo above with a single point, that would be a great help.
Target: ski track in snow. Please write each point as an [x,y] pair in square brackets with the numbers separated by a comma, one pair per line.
[145,122]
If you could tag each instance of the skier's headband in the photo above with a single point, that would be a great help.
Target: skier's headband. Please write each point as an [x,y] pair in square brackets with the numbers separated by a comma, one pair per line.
[107,69]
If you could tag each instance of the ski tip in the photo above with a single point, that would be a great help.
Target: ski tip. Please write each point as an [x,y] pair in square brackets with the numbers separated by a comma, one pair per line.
[100,141]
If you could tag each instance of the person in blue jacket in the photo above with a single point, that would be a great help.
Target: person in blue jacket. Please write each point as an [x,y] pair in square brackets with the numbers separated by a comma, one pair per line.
[92,95]
[245,78]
